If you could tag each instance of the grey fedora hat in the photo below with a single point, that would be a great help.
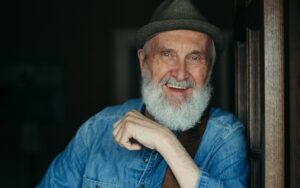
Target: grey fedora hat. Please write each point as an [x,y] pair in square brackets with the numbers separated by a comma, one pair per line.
[178,14]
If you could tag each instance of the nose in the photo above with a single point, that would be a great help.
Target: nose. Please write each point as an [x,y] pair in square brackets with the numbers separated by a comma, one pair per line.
[181,71]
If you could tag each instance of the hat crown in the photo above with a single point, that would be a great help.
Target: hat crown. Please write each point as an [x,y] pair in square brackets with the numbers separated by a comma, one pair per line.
[176,9]
[175,15]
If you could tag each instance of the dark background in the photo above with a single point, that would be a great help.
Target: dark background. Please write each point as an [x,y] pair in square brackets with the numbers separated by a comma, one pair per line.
[57,68]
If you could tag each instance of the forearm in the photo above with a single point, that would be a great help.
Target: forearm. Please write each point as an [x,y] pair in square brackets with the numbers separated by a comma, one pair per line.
[180,162]
[188,173]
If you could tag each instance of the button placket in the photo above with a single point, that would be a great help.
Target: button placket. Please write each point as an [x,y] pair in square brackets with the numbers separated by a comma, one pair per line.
[147,158]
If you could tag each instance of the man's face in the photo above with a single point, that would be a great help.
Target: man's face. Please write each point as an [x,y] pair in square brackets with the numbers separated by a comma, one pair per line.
[182,55]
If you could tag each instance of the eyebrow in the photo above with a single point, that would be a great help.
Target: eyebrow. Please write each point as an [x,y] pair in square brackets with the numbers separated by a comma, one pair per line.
[164,48]
[197,52]
[200,53]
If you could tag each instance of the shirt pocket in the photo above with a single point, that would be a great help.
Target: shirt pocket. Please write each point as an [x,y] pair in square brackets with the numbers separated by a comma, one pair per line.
[89,183]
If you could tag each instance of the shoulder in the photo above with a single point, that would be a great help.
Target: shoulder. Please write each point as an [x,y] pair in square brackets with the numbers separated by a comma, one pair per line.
[119,110]
[224,135]
[115,111]
[224,127]
[224,122]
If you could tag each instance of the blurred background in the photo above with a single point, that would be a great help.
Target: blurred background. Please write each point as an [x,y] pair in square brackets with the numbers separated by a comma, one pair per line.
[63,61]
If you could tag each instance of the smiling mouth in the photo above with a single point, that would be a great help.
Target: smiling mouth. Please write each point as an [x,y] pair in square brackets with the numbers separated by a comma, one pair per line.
[175,86]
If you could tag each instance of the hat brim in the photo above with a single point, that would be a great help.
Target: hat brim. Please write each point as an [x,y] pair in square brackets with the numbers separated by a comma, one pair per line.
[146,32]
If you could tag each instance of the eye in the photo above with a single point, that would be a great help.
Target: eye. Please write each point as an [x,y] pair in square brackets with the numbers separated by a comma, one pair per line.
[195,57]
[166,53]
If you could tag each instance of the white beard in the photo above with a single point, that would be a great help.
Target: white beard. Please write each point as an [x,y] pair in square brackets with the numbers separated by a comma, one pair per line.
[180,117]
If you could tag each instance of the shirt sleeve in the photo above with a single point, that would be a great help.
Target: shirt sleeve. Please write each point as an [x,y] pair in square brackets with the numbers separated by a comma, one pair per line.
[229,167]
[67,168]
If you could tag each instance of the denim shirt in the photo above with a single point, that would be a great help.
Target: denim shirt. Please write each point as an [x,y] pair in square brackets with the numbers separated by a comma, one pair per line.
[93,160]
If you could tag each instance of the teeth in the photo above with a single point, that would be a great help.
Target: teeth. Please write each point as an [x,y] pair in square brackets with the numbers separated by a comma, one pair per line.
[175,86]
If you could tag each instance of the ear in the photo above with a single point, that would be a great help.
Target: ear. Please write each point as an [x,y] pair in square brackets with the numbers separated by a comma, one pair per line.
[142,59]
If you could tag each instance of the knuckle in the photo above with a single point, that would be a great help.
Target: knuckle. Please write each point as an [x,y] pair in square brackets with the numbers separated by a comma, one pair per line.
[129,114]
[126,122]
[127,127]
[131,111]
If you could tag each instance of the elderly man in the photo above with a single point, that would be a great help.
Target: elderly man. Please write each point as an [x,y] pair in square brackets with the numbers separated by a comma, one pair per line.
[170,138]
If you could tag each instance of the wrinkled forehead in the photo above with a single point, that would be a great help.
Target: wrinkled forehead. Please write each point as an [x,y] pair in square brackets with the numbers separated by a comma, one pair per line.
[186,38]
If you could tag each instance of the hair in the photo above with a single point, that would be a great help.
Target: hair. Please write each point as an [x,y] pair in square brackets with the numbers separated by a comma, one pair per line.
[213,60]
[213,53]
[145,49]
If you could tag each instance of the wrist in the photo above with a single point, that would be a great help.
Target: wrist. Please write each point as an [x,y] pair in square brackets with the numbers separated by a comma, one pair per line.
[167,142]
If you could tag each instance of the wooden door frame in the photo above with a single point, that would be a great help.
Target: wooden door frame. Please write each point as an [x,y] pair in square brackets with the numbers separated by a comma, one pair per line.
[273,50]
[260,88]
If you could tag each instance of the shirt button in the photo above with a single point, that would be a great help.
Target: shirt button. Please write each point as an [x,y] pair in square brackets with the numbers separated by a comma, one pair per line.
[97,186]
[142,186]
[146,160]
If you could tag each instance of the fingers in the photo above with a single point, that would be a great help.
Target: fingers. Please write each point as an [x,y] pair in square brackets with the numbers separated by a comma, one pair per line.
[116,123]
[123,139]
[123,134]
[131,145]
[117,127]
[136,126]
[134,114]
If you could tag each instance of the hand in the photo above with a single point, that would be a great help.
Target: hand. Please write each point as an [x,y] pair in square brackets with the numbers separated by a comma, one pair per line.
[135,130]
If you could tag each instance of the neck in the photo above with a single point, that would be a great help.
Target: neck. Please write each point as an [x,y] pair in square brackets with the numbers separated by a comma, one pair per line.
[147,114]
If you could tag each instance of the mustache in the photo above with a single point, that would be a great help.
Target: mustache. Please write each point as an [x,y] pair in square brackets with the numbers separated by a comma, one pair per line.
[173,81]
